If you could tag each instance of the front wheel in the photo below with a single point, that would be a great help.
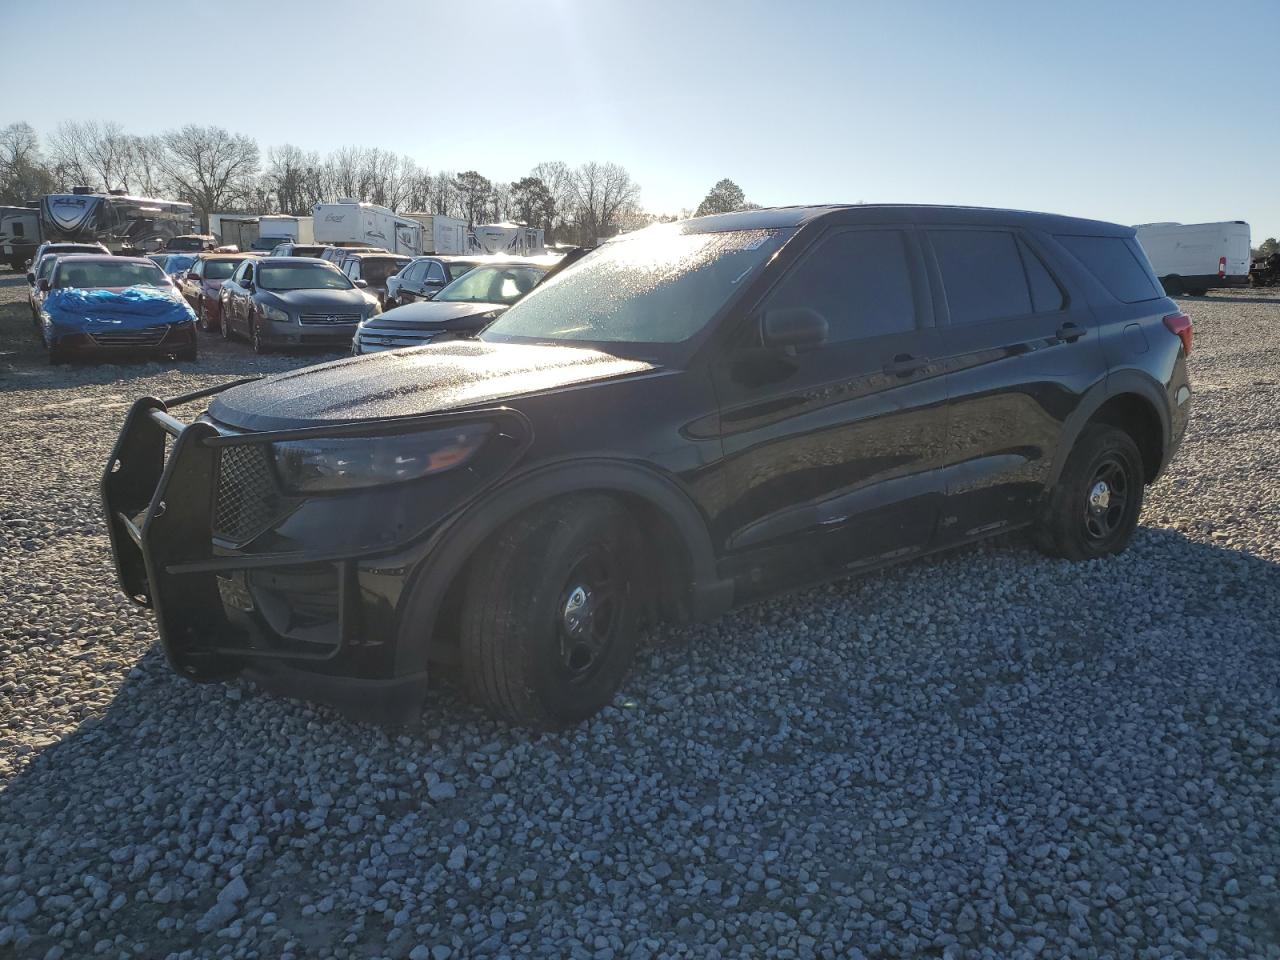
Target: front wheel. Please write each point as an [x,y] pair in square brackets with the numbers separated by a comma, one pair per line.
[224,320]
[202,315]
[1094,509]
[255,334]
[549,619]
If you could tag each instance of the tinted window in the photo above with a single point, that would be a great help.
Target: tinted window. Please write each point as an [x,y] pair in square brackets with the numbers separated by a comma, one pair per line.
[1046,295]
[415,272]
[1113,261]
[982,274]
[859,281]
[435,273]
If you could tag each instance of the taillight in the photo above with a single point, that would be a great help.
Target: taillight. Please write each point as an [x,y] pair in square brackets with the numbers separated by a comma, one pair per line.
[1179,325]
[1222,267]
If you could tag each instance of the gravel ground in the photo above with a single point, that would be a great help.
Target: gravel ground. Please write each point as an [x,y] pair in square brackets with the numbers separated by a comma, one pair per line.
[983,754]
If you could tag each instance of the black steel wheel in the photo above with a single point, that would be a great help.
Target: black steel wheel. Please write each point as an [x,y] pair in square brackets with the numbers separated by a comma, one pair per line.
[549,618]
[1094,509]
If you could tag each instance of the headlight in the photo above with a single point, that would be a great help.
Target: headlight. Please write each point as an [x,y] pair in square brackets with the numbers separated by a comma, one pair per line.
[276,314]
[348,463]
[375,308]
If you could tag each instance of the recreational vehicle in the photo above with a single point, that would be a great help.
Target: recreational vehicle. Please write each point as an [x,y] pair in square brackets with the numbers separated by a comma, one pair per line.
[352,222]
[124,224]
[441,234]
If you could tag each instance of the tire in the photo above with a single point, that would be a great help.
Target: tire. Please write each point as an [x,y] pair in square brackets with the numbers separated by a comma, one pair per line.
[1173,286]
[549,617]
[224,327]
[202,316]
[1083,521]
[255,337]
[1198,292]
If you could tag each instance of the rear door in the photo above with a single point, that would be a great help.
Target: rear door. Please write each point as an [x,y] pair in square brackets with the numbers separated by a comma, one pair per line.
[833,454]
[1019,354]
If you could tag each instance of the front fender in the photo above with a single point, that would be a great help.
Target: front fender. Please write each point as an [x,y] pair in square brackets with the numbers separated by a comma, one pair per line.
[454,543]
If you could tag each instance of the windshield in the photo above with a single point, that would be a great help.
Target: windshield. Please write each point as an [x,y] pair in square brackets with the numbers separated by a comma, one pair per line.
[302,276]
[178,264]
[654,286]
[93,274]
[505,284]
[375,272]
[220,269]
[186,243]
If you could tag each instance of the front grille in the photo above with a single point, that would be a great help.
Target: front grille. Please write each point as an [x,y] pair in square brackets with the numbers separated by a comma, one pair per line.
[247,499]
[328,319]
[146,337]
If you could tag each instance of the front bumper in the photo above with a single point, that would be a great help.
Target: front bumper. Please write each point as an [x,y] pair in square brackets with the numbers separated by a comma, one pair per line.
[317,621]
[159,341]
[377,339]
[277,333]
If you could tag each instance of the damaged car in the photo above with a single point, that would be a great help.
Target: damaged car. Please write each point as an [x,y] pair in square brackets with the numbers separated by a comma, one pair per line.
[689,417]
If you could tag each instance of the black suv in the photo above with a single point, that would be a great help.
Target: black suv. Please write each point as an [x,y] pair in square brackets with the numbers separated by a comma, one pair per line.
[692,416]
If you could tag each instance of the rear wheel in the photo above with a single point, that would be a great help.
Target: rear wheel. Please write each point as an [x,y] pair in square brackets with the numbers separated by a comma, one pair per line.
[224,321]
[202,315]
[549,617]
[1094,509]
[1198,292]
[1173,286]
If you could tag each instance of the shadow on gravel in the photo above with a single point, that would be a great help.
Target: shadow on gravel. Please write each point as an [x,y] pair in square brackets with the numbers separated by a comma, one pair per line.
[885,737]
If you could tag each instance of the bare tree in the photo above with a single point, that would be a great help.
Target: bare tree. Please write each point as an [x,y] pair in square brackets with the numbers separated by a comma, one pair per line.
[445,198]
[601,192]
[92,153]
[294,180]
[23,174]
[559,182]
[209,166]
[145,172]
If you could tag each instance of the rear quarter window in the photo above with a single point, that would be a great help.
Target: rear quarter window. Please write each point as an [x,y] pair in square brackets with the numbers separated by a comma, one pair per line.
[1119,267]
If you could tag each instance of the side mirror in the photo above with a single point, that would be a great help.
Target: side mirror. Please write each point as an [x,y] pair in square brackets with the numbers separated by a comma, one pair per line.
[44,284]
[362,283]
[792,328]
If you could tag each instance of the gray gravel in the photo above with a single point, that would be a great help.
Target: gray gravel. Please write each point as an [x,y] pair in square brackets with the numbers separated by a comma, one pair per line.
[984,754]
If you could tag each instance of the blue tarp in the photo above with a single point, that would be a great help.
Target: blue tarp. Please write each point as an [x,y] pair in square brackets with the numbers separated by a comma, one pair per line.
[72,310]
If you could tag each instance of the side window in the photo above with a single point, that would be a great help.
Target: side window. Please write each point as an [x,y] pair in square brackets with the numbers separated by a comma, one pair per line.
[1113,261]
[197,270]
[353,269]
[243,273]
[435,273]
[982,275]
[1046,295]
[859,280]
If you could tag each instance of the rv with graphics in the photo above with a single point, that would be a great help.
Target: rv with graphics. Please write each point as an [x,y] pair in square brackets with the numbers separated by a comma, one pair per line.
[19,235]
[124,224]
[352,223]
[514,239]
[1196,257]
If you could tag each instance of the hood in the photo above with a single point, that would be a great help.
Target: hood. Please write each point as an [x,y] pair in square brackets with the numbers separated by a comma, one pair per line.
[403,383]
[318,300]
[433,315]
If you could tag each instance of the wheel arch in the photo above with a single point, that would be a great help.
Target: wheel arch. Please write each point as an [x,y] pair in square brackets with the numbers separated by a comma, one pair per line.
[669,521]
[1132,401]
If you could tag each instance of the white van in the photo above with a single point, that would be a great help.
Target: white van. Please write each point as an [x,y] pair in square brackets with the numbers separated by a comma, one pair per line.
[1196,257]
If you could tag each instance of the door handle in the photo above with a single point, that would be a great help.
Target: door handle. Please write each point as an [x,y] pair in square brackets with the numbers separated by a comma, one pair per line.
[1070,332]
[904,365]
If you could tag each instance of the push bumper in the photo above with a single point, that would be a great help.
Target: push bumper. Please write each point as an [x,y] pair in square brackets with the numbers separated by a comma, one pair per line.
[160,505]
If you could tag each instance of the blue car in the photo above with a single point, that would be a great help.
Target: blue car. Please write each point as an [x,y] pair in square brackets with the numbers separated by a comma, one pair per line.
[104,307]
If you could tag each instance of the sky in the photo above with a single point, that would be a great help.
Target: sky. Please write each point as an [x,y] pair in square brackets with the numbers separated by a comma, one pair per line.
[1128,111]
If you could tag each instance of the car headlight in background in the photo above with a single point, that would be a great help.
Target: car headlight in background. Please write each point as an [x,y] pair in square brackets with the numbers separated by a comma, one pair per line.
[347,463]
[276,314]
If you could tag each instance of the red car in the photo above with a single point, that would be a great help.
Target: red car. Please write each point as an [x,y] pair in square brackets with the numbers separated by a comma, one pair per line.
[200,285]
